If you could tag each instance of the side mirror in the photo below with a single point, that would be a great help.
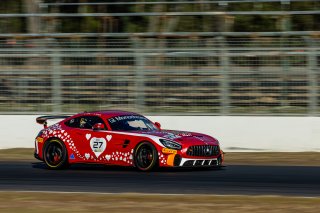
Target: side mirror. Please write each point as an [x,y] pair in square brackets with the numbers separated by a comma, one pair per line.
[158,125]
[98,126]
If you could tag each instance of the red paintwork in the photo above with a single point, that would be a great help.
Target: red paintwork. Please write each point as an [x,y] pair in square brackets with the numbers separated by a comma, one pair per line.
[77,141]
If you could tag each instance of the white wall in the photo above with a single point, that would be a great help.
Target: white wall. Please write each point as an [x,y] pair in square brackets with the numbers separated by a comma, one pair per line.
[234,133]
[237,133]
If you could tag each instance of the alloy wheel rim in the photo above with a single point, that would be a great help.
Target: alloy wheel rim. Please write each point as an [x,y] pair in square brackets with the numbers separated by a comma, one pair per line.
[145,157]
[54,154]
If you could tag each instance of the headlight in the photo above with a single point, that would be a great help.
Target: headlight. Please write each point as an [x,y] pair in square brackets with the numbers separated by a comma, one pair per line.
[170,144]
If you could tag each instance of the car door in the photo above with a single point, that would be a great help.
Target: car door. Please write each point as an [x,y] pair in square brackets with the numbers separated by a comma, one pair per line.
[88,144]
[106,146]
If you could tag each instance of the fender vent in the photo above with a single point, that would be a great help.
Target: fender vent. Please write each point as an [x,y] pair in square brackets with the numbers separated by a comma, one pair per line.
[125,144]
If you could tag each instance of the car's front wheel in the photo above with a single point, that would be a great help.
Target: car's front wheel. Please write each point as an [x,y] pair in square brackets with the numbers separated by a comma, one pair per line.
[55,154]
[145,156]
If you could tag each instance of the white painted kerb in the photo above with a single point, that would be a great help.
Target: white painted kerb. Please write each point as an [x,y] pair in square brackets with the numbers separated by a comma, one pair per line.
[235,133]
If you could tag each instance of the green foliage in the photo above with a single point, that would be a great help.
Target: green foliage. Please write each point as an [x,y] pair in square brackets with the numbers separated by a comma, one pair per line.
[254,23]
[243,23]
[11,25]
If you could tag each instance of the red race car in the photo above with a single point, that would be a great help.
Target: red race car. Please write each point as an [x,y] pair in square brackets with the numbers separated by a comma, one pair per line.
[124,139]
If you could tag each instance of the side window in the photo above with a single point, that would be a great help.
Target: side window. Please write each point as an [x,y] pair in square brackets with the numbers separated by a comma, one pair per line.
[75,122]
[95,119]
[84,122]
[87,122]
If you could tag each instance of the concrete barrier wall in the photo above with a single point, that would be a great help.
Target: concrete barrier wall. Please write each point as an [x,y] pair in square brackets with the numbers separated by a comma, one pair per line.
[234,133]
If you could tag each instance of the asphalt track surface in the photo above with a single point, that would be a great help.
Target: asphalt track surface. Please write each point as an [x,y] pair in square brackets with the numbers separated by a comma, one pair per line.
[248,180]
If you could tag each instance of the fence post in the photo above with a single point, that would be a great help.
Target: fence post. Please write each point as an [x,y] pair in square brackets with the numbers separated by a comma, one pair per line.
[312,77]
[56,81]
[139,75]
[225,81]
[284,73]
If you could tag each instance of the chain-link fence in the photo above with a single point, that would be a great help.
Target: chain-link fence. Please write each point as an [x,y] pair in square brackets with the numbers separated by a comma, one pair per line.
[172,74]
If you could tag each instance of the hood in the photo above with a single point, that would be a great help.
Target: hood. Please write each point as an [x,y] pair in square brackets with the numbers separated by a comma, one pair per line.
[183,137]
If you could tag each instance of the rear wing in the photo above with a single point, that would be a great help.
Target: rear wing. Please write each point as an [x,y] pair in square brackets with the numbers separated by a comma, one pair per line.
[43,119]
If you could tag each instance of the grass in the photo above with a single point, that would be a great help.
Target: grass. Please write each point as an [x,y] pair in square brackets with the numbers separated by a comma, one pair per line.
[19,154]
[231,158]
[33,202]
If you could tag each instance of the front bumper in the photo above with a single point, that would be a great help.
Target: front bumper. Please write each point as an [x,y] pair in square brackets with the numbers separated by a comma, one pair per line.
[176,158]
[186,162]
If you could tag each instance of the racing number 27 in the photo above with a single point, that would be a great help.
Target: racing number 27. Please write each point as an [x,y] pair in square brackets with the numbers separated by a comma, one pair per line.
[97,144]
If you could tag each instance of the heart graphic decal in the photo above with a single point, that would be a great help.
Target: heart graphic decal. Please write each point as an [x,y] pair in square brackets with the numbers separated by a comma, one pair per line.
[98,145]
[109,137]
[87,155]
[108,157]
[88,136]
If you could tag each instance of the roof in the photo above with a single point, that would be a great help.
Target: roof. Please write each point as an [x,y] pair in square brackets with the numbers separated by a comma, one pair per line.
[109,113]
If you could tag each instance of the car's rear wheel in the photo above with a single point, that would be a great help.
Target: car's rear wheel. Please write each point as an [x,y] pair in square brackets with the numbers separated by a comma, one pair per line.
[55,154]
[145,156]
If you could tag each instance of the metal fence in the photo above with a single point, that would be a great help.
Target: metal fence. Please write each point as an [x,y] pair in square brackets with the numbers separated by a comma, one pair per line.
[197,74]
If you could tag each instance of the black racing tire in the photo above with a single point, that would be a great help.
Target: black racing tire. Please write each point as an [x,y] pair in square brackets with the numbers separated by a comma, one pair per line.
[55,154]
[146,156]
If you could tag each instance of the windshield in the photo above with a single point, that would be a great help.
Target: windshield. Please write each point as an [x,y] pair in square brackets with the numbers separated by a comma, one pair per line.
[130,123]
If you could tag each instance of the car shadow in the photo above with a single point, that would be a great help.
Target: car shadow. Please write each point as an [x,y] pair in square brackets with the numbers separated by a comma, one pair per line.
[99,167]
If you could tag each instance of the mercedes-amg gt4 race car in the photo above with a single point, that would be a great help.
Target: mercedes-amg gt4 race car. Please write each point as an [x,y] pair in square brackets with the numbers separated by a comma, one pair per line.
[124,139]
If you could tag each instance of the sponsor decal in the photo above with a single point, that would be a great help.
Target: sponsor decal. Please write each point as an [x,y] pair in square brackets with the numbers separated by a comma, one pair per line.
[125,117]
[40,140]
[169,151]
[171,136]
[98,145]
[72,157]
[185,134]
[178,133]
